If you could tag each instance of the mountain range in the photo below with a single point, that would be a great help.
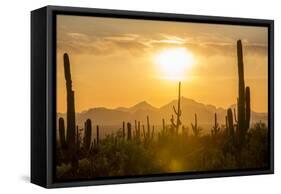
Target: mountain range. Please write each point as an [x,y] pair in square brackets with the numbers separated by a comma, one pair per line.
[114,117]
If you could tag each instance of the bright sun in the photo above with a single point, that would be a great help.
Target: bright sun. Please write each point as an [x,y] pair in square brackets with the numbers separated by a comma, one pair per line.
[174,62]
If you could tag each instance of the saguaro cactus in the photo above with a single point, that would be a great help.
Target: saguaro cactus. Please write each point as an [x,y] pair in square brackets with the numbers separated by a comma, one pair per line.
[143,131]
[87,134]
[70,105]
[62,133]
[241,88]
[123,130]
[98,134]
[226,122]
[230,122]
[177,112]
[70,116]
[196,130]
[243,104]
[216,127]
[148,127]
[138,131]
[163,126]
[129,131]
[136,127]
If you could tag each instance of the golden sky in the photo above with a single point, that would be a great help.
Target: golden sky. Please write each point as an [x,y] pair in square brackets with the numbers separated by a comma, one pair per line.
[115,62]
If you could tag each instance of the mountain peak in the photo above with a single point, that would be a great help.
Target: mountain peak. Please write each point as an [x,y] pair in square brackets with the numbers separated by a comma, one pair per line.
[142,105]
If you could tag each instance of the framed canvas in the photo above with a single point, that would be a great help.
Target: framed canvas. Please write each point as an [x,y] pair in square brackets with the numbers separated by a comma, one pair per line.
[126,96]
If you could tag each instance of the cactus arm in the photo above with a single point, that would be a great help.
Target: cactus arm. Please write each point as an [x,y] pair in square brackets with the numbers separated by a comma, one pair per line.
[175,110]
[173,122]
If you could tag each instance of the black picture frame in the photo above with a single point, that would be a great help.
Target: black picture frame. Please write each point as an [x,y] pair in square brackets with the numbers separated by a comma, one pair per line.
[43,92]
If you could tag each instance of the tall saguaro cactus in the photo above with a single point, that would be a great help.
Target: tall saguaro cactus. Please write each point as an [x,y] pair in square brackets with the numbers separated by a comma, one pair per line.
[243,104]
[177,112]
[70,114]
[87,134]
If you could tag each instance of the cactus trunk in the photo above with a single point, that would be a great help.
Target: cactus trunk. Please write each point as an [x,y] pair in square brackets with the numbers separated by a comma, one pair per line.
[241,88]
[248,108]
[216,128]
[230,122]
[70,113]
[62,133]
[216,122]
[143,131]
[129,131]
[148,127]
[123,130]
[87,134]
[164,125]
[138,131]
[98,135]
[136,128]
[196,130]
[70,104]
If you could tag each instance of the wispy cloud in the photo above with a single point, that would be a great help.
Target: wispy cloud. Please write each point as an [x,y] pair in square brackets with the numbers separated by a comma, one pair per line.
[136,44]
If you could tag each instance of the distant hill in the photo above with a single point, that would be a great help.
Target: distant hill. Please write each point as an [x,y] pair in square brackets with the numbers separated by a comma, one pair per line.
[115,117]
[142,106]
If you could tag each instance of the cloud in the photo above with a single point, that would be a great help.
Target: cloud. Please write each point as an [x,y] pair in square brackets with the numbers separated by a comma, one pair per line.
[97,45]
[78,36]
[135,44]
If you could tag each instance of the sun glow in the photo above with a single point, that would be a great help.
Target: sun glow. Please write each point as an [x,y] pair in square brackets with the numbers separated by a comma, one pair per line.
[174,62]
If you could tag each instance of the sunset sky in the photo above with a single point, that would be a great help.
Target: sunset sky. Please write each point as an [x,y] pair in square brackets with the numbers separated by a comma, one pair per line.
[121,62]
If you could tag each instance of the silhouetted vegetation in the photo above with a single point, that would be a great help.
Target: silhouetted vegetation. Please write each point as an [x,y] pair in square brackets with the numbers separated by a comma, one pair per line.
[133,150]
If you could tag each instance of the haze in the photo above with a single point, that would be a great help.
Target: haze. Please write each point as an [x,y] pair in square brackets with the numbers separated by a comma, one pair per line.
[113,62]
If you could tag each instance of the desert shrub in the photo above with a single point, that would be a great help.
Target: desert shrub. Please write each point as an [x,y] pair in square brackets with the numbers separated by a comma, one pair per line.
[114,156]
[62,170]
